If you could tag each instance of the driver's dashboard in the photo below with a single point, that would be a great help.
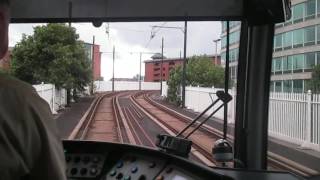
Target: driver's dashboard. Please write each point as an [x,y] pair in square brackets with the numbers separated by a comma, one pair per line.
[103,160]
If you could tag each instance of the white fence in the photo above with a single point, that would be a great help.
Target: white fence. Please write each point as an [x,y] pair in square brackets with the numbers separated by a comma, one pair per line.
[292,117]
[56,98]
[101,86]
[295,118]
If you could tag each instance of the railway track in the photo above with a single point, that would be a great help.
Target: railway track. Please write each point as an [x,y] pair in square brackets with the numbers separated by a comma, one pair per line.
[108,113]
[275,161]
[137,119]
[172,125]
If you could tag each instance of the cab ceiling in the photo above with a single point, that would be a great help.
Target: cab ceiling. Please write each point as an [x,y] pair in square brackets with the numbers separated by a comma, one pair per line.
[124,10]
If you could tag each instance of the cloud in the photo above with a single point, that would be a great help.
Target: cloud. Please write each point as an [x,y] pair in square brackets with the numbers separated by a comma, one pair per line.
[131,38]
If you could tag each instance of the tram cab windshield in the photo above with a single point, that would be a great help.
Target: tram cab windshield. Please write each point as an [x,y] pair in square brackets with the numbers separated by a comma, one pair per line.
[246,127]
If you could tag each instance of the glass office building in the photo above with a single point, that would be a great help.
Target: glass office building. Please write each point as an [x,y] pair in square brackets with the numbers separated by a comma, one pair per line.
[296,47]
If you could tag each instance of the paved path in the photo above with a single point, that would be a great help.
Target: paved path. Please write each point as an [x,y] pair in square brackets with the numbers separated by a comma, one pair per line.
[69,118]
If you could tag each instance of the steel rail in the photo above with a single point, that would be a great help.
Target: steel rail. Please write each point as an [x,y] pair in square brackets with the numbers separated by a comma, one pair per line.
[275,160]
[198,151]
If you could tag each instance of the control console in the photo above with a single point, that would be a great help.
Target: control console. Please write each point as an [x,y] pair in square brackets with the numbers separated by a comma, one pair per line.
[84,165]
[112,161]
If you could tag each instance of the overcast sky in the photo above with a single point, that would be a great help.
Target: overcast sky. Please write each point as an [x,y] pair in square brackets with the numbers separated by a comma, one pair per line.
[131,38]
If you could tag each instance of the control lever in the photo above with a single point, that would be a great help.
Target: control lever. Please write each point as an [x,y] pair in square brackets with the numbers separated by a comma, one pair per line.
[174,145]
[181,146]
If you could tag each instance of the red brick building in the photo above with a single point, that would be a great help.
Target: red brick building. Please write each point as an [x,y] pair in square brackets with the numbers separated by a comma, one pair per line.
[5,61]
[96,59]
[153,67]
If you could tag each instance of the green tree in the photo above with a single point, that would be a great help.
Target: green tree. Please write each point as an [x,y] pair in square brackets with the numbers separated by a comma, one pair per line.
[314,84]
[174,82]
[200,71]
[53,54]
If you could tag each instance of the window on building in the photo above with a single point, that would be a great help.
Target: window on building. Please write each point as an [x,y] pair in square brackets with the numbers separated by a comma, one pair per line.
[272,66]
[278,86]
[309,35]
[278,65]
[287,40]
[286,65]
[224,26]
[234,37]
[287,86]
[297,86]
[237,36]
[156,64]
[298,38]
[297,62]
[310,61]
[318,58]
[318,7]
[223,42]
[297,13]
[318,33]
[278,42]
[171,63]
[310,9]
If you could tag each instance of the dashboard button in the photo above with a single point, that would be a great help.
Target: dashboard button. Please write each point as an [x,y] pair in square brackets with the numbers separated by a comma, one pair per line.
[142,177]
[127,177]
[83,171]
[113,173]
[119,164]
[134,169]
[119,176]
[96,159]
[74,171]
[93,171]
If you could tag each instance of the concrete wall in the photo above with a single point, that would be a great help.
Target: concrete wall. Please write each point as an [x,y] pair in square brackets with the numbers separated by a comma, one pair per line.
[198,99]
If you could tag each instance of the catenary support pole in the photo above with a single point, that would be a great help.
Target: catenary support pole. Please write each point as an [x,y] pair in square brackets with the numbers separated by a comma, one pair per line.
[113,57]
[183,83]
[161,67]
[140,72]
